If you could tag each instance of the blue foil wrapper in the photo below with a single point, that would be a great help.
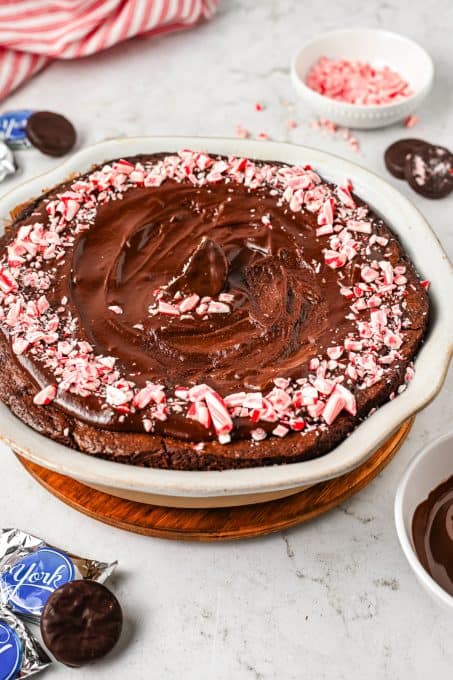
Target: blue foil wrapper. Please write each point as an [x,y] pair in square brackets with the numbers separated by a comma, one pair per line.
[7,164]
[12,128]
[31,570]
[21,655]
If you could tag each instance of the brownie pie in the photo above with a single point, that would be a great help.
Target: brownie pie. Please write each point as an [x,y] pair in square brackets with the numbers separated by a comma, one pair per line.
[197,312]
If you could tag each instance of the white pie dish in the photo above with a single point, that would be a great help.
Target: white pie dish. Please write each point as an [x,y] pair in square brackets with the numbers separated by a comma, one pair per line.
[233,486]
[380,48]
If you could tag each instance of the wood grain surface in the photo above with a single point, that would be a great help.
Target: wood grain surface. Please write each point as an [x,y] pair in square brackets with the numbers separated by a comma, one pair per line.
[217,524]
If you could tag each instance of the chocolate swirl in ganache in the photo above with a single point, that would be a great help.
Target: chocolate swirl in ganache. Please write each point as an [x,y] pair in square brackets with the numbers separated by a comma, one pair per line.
[279,314]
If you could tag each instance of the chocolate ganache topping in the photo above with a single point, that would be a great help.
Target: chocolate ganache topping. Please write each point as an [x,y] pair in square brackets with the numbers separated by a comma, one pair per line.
[274,316]
[203,298]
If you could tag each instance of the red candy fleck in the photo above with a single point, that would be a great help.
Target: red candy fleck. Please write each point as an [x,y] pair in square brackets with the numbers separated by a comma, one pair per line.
[326,213]
[218,308]
[334,352]
[189,303]
[349,400]
[334,260]
[219,413]
[280,431]
[345,196]
[242,132]
[166,308]
[45,396]
[199,411]
[333,407]
[143,397]
[20,345]
[332,129]
[258,434]
[7,281]
[298,424]
[411,121]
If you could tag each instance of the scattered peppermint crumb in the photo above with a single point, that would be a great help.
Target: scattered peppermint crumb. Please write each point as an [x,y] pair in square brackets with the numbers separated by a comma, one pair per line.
[411,121]
[242,132]
[331,128]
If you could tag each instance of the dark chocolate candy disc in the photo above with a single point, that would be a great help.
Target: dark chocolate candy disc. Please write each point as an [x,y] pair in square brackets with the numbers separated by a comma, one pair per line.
[81,622]
[395,155]
[51,133]
[428,170]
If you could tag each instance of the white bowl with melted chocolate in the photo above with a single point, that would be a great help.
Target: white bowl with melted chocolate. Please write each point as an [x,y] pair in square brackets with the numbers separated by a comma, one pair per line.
[424,518]
[240,486]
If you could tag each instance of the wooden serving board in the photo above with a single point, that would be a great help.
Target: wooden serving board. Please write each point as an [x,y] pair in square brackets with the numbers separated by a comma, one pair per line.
[218,524]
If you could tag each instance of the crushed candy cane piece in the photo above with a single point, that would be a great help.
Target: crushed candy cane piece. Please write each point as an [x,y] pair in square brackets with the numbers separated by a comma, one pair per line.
[333,407]
[258,434]
[411,121]
[45,396]
[280,431]
[242,132]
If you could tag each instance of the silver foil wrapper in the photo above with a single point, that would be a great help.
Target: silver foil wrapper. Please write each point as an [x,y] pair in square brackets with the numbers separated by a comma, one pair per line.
[31,570]
[34,658]
[7,164]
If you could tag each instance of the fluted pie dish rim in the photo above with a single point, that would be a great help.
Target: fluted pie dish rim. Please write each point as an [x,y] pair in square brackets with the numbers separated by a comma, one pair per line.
[431,363]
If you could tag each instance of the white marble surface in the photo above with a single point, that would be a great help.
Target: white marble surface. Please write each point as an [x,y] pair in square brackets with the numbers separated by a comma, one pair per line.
[330,600]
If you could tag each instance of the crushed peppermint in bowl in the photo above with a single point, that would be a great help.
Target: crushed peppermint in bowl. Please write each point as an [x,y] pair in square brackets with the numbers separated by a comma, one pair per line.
[357,82]
[362,78]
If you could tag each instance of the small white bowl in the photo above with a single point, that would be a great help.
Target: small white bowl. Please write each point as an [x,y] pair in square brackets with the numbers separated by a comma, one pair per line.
[380,48]
[430,467]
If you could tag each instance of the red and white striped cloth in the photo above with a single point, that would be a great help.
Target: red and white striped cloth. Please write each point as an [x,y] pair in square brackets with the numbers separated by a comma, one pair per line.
[32,32]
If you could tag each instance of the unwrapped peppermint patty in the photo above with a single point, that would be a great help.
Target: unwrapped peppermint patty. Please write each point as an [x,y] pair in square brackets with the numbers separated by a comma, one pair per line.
[51,133]
[396,154]
[81,622]
[429,171]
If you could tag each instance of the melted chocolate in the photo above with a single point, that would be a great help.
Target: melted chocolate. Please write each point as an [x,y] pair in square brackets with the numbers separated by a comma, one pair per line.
[205,272]
[432,531]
